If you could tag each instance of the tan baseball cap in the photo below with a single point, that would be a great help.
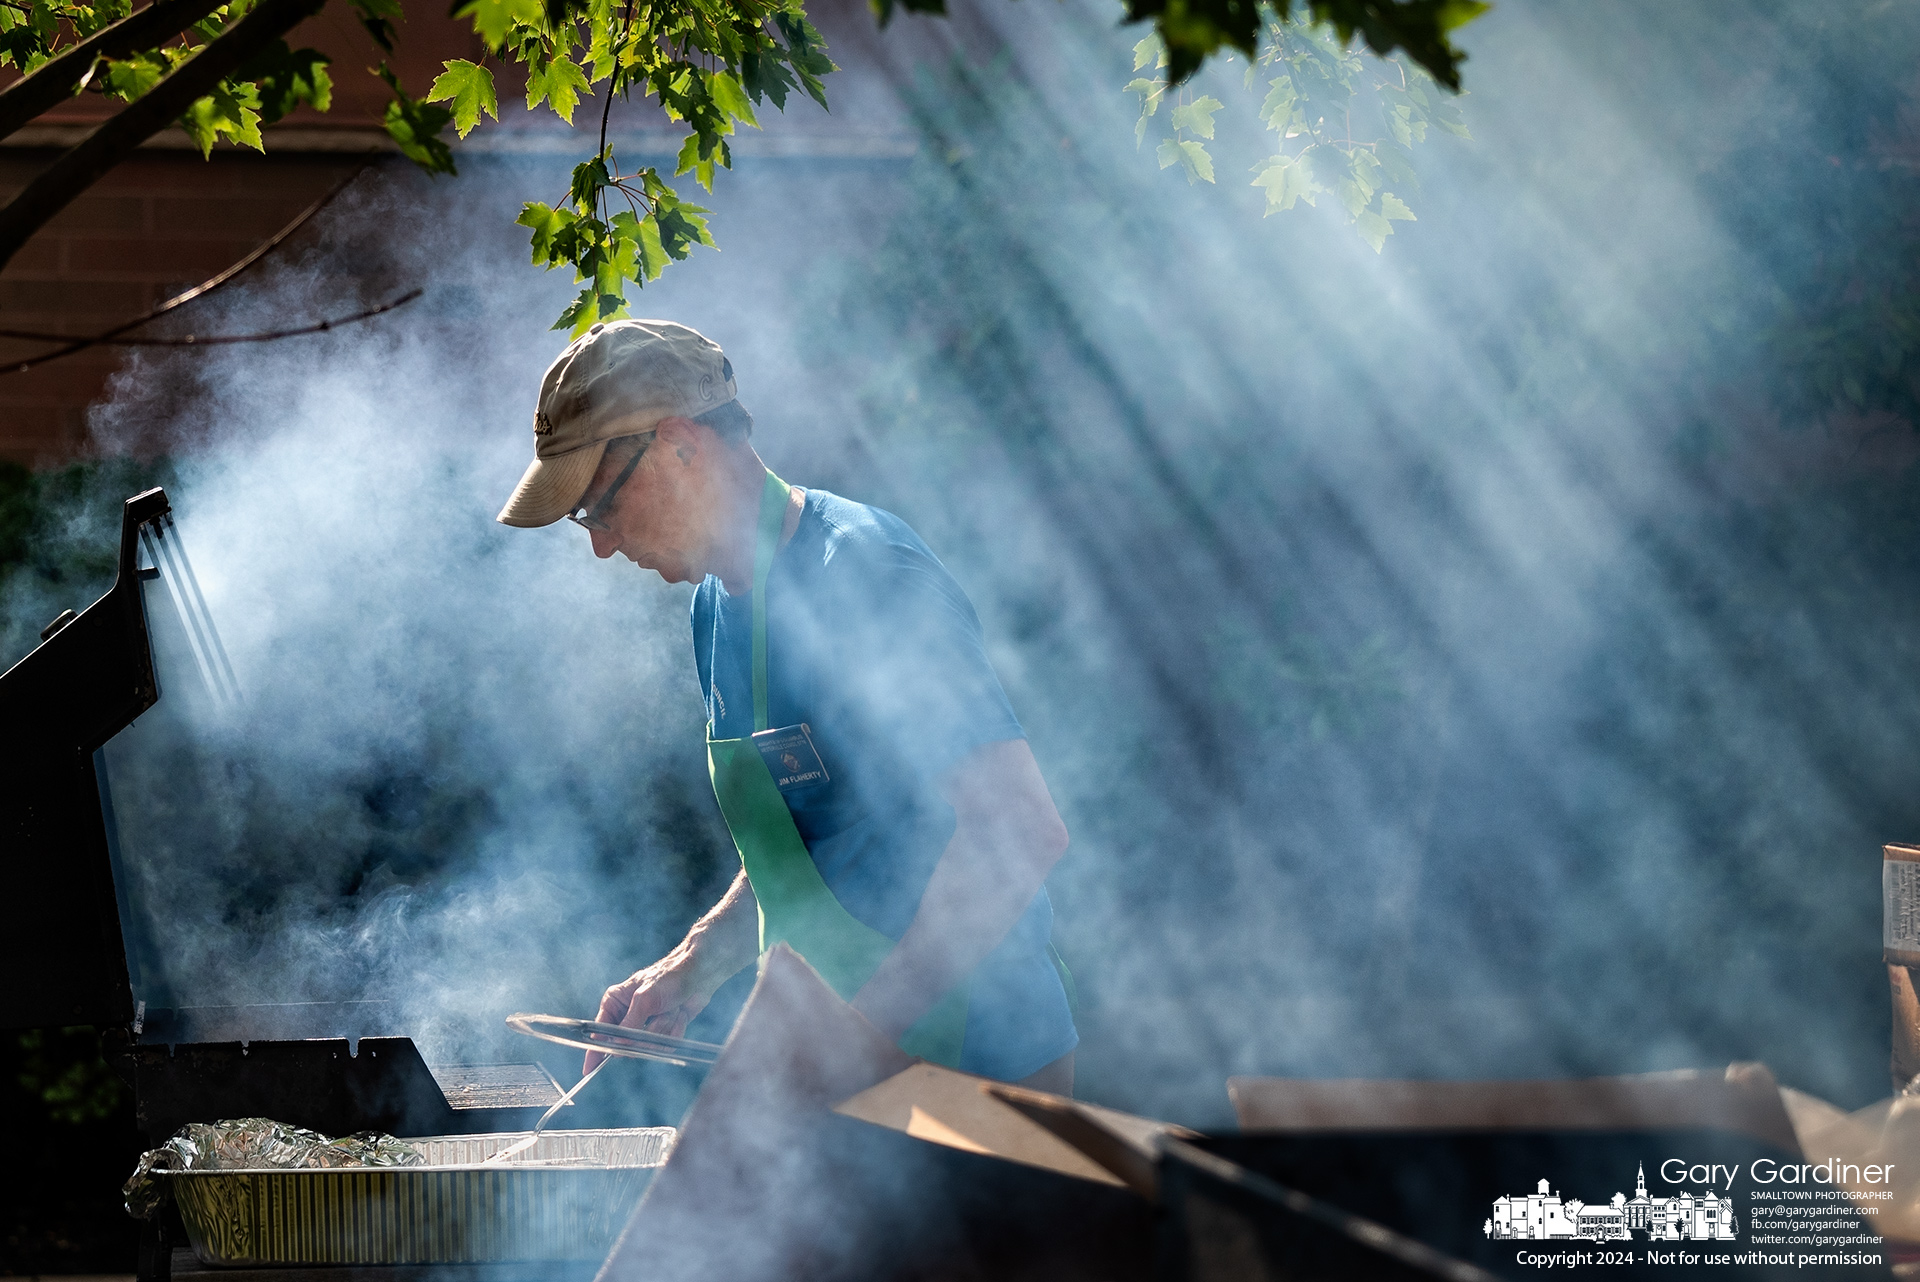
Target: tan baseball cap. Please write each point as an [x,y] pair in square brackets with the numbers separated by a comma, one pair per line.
[617,379]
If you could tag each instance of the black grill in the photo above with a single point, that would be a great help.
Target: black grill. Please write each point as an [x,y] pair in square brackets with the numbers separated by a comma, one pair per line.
[336,1067]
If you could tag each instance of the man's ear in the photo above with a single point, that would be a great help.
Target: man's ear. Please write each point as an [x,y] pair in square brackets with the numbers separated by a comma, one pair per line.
[681,435]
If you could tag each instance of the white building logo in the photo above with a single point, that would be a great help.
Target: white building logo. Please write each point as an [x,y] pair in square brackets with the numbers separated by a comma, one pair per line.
[1699,1217]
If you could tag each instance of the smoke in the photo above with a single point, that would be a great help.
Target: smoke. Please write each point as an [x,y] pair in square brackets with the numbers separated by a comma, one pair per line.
[454,778]
[1478,659]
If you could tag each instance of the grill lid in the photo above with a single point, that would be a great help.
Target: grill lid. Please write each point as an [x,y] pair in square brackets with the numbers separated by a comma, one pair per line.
[63,952]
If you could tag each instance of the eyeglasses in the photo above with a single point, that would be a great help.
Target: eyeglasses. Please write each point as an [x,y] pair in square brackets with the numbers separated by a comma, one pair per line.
[590,518]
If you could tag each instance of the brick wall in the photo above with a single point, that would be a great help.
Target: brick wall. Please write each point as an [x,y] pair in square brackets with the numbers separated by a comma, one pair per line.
[165,219]
[162,222]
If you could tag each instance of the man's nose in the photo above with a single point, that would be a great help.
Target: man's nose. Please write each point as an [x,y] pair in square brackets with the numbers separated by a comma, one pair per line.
[604,544]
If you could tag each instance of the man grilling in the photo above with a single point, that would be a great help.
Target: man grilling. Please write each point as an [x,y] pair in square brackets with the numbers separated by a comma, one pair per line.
[891,822]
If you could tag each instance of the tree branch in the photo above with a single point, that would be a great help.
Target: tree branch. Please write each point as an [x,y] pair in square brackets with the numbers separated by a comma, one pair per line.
[212,340]
[71,345]
[53,81]
[165,103]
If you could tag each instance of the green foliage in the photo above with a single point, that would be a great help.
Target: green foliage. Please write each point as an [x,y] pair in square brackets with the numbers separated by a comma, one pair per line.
[230,112]
[17,512]
[286,78]
[1197,116]
[63,1070]
[469,87]
[129,78]
[493,19]
[378,16]
[707,63]
[1190,156]
[558,82]
[57,547]
[1865,356]
[1345,125]
[883,9]
[67,1218]
[31,33]
[636,244]
[264,88]
[1191,31]
[415,127]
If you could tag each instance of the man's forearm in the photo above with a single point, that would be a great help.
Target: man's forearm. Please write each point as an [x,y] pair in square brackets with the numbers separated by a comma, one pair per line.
[669,993]
[1006,838]
[971,902]
[725,939]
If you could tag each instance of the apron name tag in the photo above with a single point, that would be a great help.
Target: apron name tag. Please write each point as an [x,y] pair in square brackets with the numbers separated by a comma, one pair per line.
[791,758]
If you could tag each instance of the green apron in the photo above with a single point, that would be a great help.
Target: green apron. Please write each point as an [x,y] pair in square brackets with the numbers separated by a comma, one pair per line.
[795,905]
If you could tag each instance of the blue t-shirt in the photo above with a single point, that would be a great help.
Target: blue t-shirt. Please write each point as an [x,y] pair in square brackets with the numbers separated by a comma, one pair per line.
[872,644]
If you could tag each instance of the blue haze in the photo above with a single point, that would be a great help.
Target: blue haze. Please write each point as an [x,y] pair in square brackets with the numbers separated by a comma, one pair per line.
[1490,657]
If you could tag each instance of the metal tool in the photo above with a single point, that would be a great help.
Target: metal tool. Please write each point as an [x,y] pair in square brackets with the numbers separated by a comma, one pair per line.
[541,1125]
[608,1039]
[614,1039]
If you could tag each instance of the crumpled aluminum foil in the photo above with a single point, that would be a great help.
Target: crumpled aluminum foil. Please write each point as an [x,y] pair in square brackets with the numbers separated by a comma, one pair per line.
[255,1143]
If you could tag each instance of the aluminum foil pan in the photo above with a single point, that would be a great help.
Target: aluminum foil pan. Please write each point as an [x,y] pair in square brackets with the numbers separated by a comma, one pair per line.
[566,1198]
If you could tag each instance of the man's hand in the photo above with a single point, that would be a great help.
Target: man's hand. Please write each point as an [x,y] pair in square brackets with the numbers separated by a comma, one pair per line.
[659,998]
[664,997]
